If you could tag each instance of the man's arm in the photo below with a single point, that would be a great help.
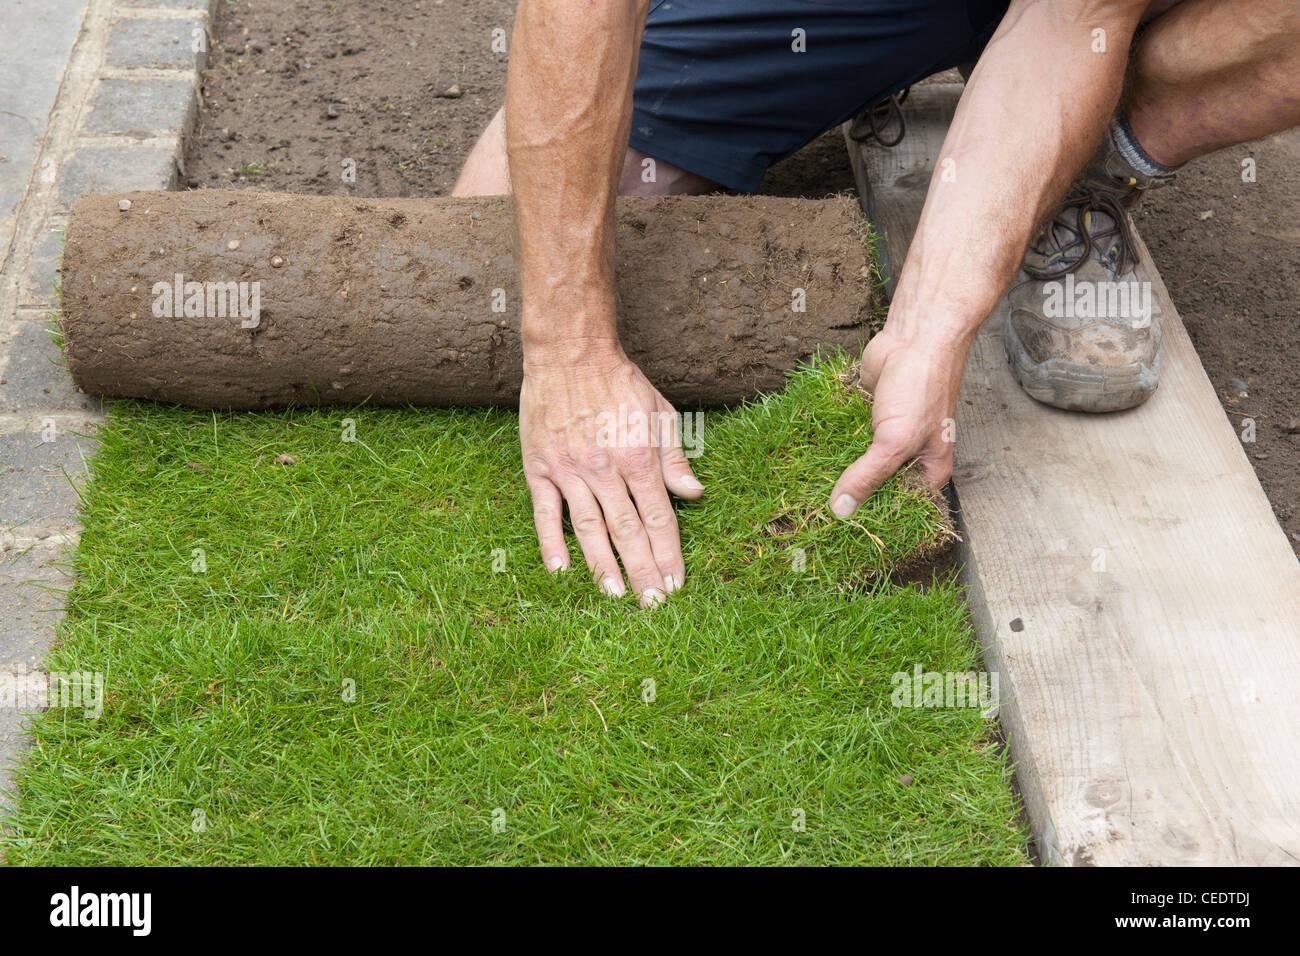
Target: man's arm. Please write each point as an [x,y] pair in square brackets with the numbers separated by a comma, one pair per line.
[568,115]
[1031,114]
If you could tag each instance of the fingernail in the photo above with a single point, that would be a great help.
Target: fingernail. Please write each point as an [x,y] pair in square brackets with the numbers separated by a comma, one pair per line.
[652,596]
[555,564]
[691,482]
[613,586]
[670,583]
[844,506]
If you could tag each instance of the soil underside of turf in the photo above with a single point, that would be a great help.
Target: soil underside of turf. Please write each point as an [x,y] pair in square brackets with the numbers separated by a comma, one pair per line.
[296,89]
[402,301]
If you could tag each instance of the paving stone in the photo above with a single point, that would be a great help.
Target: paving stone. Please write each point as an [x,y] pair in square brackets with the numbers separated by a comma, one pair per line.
[34,473]
[141,106]
[115,168]
[34,376]
[32,589]
[31,582]
[157,44]
[38,282]
[208,6]
[38,36]
[14,740]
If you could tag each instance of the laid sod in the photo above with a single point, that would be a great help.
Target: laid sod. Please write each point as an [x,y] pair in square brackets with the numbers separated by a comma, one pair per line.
[353,656]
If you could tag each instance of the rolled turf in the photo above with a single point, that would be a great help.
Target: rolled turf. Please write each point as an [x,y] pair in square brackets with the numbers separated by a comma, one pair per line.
[354,657]
[237,299]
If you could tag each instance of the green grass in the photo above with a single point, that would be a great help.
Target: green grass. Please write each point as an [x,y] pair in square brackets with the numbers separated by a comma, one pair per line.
[370,565]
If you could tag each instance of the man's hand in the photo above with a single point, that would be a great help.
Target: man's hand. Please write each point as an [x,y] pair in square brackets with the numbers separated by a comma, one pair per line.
[914,385]
[1030,115]
[599,436]
[568,117]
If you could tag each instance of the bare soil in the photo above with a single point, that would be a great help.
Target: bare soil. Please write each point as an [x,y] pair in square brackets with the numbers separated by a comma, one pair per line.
[403,87]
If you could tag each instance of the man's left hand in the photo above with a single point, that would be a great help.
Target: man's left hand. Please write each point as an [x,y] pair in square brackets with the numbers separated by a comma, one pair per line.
[914,387]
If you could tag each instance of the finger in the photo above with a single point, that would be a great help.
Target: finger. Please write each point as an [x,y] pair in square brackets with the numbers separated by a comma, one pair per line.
[676,468]
[936,469]
[861,479]
[660,523]
[548,518]
[631,541]
[873,360]
[869,372]
[589,527]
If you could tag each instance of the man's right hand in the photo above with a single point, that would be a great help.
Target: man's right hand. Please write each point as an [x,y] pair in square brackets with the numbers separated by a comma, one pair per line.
[578,448]
[568,117]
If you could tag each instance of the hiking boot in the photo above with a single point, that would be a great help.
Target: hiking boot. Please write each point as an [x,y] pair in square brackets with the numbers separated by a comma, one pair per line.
[1117,167]
[1083,326]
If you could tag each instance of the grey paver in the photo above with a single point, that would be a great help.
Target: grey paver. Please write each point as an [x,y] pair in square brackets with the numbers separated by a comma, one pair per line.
[36,475]
[142,106]
[207,6]
[38,37]
[99,170]
[36,577]
[32,588]
[38,282]
[35,376]
[158,44]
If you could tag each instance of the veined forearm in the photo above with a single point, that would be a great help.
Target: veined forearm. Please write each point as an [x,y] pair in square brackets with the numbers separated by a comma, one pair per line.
[568,114]
[1030,117]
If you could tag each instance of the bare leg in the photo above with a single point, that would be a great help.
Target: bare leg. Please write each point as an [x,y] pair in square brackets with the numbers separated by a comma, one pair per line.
[1208,74]
[487,173]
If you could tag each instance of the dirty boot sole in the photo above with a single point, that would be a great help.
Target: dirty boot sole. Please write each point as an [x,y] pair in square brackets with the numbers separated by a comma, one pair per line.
[1078,387]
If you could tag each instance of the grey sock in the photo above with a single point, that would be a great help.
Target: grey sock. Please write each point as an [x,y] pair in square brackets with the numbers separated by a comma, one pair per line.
[1131,150]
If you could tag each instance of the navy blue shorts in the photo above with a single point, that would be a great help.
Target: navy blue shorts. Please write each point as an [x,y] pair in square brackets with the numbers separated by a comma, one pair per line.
[722,93]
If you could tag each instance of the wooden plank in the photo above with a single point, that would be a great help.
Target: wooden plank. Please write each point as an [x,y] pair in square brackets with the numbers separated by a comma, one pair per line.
[1131,587]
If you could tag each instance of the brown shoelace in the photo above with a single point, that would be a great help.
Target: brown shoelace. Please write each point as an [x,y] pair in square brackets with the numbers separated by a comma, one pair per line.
[873,122]
[1117,240]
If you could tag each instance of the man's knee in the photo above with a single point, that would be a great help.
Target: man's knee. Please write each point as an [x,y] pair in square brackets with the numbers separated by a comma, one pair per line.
[486,171]
[646,176]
